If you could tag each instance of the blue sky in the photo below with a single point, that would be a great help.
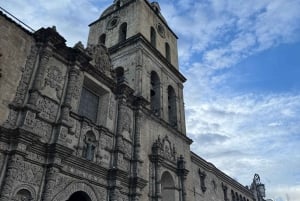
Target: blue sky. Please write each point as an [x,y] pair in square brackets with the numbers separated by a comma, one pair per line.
[242,61]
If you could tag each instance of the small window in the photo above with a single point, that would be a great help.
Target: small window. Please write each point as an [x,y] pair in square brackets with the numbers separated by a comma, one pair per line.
[224,187]
[172,109]
[153,37]
[123,32]
[168,54]
[120,74]
[88,106]
[155,94]
[102,39]
[232,196]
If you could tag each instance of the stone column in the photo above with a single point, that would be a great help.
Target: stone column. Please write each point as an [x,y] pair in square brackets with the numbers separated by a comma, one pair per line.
[50,183]
[44,57]
[72,90]
[182,173]
[12,175]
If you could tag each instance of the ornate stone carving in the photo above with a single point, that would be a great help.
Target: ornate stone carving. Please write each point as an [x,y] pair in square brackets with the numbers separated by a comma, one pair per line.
[126,123]
[164,148]
[101,58]
[24,193]
[54,79]
[127,150]
[42,128]
[111,108]
[30,120]
[48,108]
[74,88]
[73,187]
[63,135]
[22,172]
[26,76]
[35,157]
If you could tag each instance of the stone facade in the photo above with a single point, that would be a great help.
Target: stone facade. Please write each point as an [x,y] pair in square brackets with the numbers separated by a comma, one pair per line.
[101,123]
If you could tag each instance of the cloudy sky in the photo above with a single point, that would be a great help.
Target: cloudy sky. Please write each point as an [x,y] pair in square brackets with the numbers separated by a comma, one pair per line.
[242,61]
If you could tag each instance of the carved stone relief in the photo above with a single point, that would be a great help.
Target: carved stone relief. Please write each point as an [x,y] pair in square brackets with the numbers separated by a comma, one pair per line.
[37,126]
[24,192]
[101,58]
[165,148]
[35,157]
[127,150]
[54,80]
[48,108]
[126,126]
[26,76]
[19,171]
[111,108]
[64,135]
[74,187]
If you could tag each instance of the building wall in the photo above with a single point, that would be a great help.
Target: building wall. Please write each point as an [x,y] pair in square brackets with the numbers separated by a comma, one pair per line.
[15,47]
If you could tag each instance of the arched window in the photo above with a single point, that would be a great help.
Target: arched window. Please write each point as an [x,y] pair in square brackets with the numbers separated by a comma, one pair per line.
[102,39]
[23,195]
[153,37]
[79,196]
[168,53]
[155,93]
[120,74]
[232,196]
[172,109]
[123,32]
[237,197]
[167,187]
[90,145]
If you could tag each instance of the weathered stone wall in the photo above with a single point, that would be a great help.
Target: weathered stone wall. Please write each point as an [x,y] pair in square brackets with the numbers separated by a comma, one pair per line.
[214,182]
[15,47]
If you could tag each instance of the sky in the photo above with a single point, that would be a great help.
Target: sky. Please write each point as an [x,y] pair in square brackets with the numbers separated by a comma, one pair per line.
[242,62]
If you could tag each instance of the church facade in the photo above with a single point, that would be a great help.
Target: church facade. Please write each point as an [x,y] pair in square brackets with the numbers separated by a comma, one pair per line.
[103,122]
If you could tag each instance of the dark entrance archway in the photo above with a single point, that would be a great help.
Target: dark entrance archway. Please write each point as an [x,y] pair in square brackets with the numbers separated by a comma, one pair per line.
[79,196]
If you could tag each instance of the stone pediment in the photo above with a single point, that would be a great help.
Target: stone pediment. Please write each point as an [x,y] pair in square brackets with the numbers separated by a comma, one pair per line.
[164,148]
[100,58]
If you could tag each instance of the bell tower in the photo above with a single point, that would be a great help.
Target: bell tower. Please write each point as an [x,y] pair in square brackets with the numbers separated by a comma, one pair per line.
[143,49]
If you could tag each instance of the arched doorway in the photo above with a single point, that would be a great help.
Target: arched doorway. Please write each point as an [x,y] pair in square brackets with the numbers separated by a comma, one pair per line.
[79,196]
[167,187]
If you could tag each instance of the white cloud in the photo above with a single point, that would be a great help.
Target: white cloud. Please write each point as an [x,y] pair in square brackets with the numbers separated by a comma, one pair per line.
[71,18]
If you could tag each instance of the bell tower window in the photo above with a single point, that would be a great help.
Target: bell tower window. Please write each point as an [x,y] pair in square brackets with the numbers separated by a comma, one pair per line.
[102,39]
[172,111]
[153,37]
[168,54]
[123,32]
[155,93]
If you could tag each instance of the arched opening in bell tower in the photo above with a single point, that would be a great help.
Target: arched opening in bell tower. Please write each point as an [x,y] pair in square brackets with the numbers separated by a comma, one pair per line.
[123,32]
[155,94]
[172,109]
[153,37]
